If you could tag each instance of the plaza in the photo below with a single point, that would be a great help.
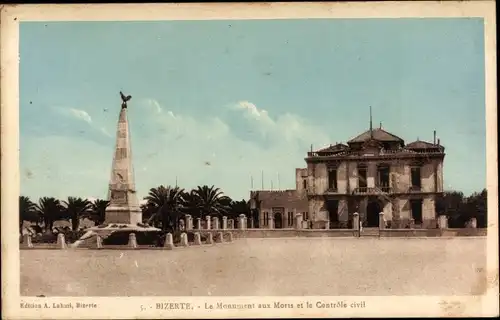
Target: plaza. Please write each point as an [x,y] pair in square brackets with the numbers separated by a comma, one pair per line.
[264,267]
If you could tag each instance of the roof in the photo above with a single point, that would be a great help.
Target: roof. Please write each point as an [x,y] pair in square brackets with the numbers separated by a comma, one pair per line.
[421,145]
[378,134]
[334,148]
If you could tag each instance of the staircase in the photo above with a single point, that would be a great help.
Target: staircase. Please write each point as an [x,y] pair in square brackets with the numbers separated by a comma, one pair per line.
[370,233]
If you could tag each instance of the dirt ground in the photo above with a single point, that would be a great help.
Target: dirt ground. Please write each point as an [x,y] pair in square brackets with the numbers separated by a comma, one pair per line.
[261,267]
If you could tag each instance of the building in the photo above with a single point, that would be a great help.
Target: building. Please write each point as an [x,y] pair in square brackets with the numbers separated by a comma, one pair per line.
[374,172]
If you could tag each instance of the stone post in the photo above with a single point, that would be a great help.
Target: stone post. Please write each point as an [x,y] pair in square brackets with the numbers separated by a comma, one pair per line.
[189,222]
[230,237]
[198,223]
[61,242]
[27,241]
[208,223]
[355,221]
[327,224]
[473,223]
[98,241]
[298,219]
[241,222]
[219,238]
[215,223]
[230,223]
[184,240]
[224,223]
[197,239]
[381,220]
[210,238]
[132,241]
[270,221]
[412,223]
[245,222]
[169,242]
[182,225]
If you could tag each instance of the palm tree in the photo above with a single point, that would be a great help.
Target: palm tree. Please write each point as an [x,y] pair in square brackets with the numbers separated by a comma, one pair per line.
[27,212]
[50,209]
[75,208]
[240,207]
[166,205]
[97,212]
[205,200]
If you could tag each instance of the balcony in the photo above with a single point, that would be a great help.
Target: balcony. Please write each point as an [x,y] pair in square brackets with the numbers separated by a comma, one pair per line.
[414,189]
[375,190]
[331,191]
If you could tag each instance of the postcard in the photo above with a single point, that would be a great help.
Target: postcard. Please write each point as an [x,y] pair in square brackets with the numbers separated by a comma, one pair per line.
[249,160]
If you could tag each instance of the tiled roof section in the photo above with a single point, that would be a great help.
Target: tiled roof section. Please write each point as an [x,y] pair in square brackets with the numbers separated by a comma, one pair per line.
[421,145]
[334,148]
[378,134]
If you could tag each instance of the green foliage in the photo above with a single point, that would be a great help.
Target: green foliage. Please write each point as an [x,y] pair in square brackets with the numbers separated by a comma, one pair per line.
[461,209]
[27,211]
[50,209]
[76,208]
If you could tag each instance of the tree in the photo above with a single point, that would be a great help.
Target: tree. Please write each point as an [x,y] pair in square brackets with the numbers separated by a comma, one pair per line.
[97,212]
[50,210]
[205,200]
[166,205]
[75,209]
[478,207]
[27,212]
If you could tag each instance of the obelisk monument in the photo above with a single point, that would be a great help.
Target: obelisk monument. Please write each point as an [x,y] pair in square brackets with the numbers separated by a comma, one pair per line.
[123,203]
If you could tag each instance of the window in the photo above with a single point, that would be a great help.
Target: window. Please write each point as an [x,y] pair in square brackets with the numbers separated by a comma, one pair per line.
[332,179]
[383,176]
[304,184]
[362,177]
[266,219]
[290,219]
[415,177]
[416,210]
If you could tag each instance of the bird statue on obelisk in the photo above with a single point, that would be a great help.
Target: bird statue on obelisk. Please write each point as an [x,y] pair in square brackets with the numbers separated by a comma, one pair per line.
[123,203]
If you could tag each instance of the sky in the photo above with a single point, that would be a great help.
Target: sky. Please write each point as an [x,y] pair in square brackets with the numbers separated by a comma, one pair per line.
[219,102]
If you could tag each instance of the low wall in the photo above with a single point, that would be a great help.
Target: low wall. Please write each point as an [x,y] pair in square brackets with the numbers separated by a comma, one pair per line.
[290,233]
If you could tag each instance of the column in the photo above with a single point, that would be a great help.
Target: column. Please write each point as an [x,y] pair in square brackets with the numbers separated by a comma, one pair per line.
[355,221]
[215,223]
[198,223]
[208,223]
[197,239]
[270,221]
[184,240]
[132,241]
[381,220]
[230,223]
[169,242]
[298,220]
[61,241]
[189,222]
[241,222]
[224,222]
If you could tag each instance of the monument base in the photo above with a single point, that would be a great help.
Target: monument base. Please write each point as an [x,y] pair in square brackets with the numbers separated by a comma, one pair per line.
[132,216]
[107,229]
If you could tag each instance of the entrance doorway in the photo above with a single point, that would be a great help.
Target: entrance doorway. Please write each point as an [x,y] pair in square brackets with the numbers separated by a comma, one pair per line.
[333,213]
[373,208]
[278,220]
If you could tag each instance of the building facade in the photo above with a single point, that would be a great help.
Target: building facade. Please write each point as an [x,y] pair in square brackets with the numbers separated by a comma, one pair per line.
[374,172]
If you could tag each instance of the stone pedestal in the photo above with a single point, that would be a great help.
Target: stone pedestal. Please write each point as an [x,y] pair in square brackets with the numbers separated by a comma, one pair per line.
[184,240]
[197,239]
[208,225]
[327,224]
[98,242]
[215,223]
[61,241]
[241,222]
[198,223]
[189,222]
[224,223]
[169,242]
[219,238]
[381,220]
[132,241]
[230,223]
[298,220]
[355,221]
[27,243]
[412,223]
[210,238]
[230,237]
